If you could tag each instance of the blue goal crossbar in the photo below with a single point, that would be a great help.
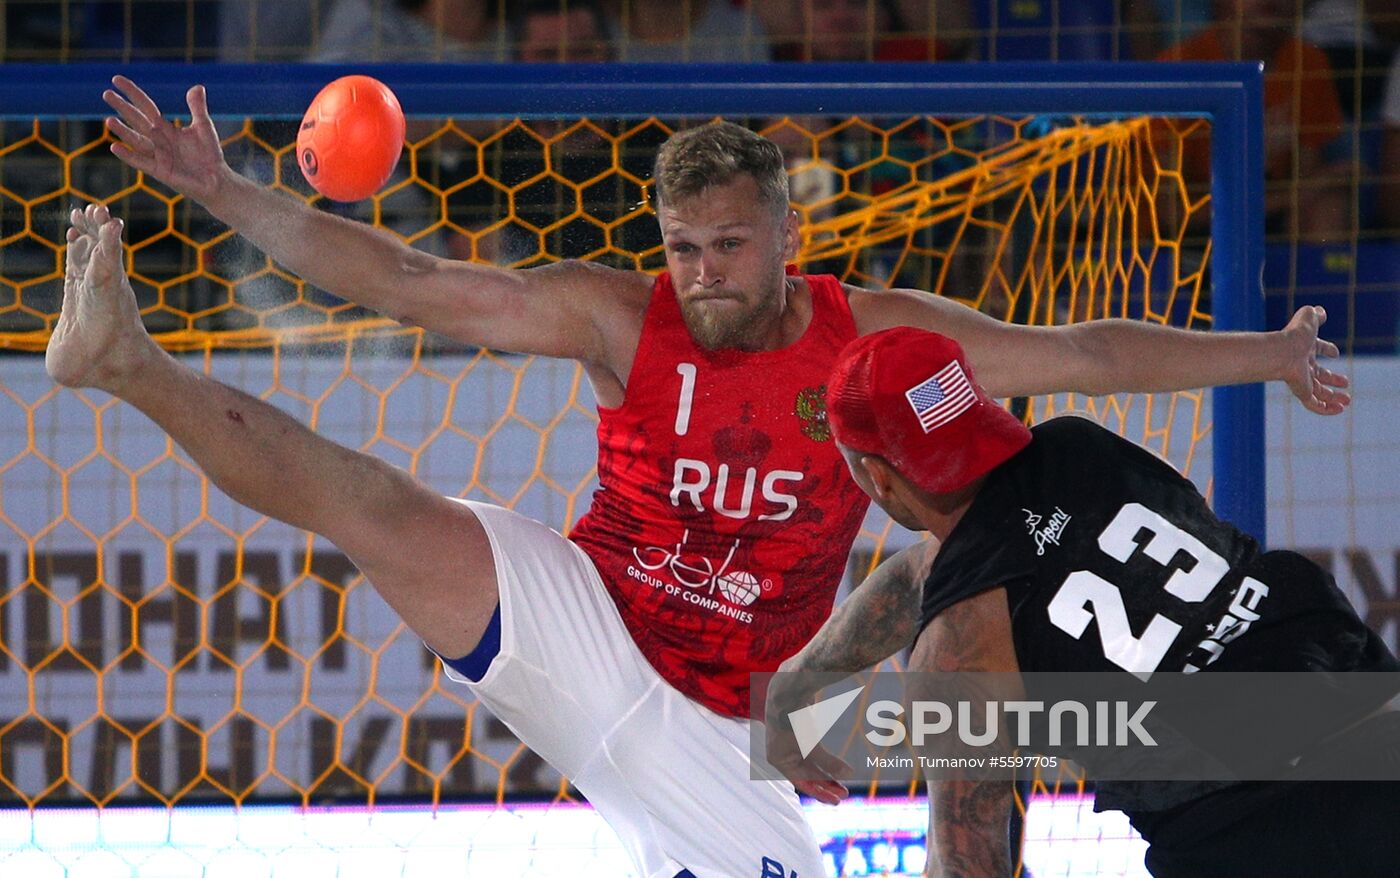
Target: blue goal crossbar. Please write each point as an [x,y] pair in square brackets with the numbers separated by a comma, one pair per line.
[1229,94]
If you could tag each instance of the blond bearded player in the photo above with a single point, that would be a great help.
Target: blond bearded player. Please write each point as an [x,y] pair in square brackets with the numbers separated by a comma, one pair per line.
[716,541]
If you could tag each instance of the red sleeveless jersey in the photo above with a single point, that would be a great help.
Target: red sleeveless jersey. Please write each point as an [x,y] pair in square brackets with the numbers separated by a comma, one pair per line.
[724,514]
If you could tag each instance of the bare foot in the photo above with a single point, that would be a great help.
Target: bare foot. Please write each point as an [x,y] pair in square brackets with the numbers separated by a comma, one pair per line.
[99,340]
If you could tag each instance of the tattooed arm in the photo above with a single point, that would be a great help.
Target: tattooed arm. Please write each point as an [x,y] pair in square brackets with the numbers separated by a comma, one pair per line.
[968,835]
[880,617]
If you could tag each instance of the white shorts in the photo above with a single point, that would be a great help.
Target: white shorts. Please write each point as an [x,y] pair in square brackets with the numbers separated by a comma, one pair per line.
[670,776]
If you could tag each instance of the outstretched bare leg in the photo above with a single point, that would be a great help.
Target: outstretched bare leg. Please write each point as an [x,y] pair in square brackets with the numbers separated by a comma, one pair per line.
[428,556]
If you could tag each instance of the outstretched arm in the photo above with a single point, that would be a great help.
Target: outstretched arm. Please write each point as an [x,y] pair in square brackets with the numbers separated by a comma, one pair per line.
[1106,356]
[564,310]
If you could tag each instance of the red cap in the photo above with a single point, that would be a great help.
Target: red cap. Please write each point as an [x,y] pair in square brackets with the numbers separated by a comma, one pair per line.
[909,396]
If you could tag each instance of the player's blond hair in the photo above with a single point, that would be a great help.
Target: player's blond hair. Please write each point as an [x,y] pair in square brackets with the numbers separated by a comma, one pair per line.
[696,159]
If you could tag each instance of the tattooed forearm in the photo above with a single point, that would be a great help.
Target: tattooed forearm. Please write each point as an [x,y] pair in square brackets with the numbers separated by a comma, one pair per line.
[880,617]
[969,827]
[968,818]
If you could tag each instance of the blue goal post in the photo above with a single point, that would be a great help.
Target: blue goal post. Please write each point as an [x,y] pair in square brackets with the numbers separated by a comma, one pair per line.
[1228,94]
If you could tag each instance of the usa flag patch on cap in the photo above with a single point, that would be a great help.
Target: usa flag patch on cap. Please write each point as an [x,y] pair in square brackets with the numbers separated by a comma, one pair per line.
[941,398]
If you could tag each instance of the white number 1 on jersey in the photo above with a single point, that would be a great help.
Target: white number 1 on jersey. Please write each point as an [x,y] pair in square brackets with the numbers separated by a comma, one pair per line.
[687,373]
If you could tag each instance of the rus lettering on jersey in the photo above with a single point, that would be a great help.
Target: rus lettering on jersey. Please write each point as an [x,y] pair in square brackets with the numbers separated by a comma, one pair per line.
[731,493]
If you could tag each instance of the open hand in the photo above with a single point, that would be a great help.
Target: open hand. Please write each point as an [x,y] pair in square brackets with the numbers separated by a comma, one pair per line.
[820,773]
[188,160]
[1319,389]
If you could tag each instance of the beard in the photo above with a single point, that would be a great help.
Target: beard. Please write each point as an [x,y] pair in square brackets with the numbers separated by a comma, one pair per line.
[728,324]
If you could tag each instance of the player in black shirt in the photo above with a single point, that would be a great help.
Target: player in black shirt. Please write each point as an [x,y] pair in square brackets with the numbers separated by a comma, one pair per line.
[1068,548]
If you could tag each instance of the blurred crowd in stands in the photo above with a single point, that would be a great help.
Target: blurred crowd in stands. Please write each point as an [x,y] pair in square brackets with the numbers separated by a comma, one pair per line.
[1332,89]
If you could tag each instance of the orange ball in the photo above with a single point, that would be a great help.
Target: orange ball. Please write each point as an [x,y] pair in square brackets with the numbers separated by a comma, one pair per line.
[351,138]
